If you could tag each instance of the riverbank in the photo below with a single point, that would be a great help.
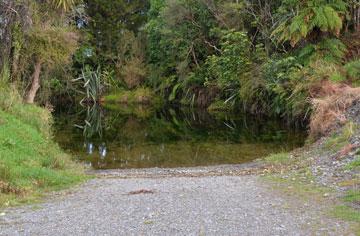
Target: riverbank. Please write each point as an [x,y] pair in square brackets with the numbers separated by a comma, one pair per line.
[139,96]
[31,163]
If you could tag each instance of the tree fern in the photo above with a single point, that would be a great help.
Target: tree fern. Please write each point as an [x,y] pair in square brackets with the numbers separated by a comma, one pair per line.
[326,15]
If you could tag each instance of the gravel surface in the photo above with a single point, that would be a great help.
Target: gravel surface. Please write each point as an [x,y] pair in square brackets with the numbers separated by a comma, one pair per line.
[206,205]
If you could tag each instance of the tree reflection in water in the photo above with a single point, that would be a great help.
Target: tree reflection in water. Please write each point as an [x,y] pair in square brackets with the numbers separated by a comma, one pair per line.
[128,137]
[93,129]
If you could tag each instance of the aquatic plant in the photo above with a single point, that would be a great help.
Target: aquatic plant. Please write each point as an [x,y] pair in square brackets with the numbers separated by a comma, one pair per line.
[90,81]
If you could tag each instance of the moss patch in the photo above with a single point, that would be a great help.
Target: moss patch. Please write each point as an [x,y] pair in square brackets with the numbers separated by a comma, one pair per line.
[354,165]
[299,184]
[279,159]
[353,196]
[346,213]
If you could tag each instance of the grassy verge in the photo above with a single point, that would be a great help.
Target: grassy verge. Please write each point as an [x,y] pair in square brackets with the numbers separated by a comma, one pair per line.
[346,211]
[339,140]
[30,162]
[143,96]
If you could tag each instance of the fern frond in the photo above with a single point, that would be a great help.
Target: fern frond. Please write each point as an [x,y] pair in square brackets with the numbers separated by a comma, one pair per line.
[326,15]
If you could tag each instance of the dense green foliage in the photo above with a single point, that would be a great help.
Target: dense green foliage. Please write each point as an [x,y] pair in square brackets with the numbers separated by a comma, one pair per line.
[264,56]
[268,57]
[39,43]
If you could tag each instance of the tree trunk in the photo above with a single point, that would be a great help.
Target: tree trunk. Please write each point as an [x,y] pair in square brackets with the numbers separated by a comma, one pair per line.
[35,84]
[15,65]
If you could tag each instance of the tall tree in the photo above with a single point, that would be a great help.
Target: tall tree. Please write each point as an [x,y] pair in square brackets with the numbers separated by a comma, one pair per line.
[109,21]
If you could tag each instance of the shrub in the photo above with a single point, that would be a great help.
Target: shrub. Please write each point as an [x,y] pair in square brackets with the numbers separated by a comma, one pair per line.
[133,73]
[234,61]
[352,69]
[287,87]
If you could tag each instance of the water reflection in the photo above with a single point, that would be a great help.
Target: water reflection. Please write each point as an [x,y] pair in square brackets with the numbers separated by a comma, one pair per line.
[102,150]
[89,148]
[128,137]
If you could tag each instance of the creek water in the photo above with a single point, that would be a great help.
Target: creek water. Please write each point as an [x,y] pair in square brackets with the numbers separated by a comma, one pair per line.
[140,137]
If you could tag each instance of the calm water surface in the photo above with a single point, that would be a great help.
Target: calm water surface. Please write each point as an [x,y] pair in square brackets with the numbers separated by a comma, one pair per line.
[139,137]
